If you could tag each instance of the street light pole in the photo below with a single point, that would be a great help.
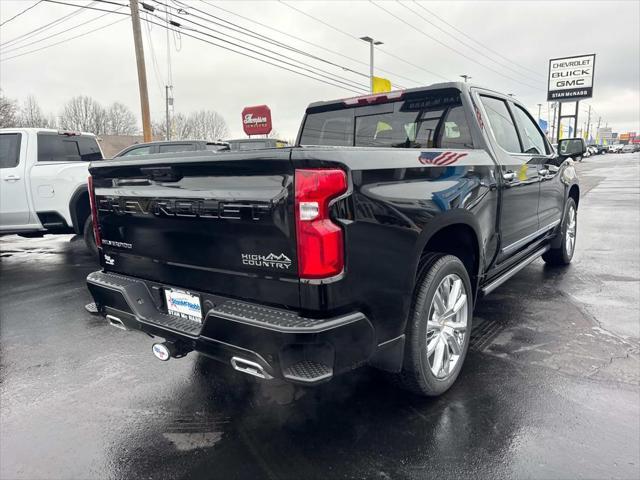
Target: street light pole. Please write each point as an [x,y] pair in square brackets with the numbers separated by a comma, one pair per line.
[371,43]
[539,111]
[466,77]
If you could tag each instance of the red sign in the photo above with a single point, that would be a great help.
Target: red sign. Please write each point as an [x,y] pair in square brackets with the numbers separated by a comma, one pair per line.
[256,120]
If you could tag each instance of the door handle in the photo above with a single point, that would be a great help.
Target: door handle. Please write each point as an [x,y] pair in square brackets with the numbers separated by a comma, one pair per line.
[11,178]
[509,176]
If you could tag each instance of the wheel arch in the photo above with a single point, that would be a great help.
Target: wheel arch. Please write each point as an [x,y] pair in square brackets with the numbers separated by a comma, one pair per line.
[79,208]
[456,233]
[574,192]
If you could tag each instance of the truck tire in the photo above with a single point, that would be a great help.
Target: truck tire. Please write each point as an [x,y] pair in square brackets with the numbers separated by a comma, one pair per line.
[439,327]
[563,254]
[89,238]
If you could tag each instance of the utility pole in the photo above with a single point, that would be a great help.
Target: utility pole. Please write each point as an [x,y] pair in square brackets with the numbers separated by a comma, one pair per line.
[466,77]
[142,73]
[371,43]
[589,124]
[167,101]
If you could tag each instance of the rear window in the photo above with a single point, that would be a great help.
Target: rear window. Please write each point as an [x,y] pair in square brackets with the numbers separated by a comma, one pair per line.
[178,147]
[428,120]
[252,146]
[53,147]
[212,147]
[9,150]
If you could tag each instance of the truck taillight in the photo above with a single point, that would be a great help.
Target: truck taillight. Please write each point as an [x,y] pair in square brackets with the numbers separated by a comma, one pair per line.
[320,241]
[94,212]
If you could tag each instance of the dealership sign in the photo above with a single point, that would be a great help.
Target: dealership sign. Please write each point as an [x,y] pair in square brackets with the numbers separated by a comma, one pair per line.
[256,120]
[571,78]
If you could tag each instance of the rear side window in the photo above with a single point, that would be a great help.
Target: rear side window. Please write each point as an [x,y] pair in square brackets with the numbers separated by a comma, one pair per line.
[501,124]
[137,151]
[532,140]
[89,149]
[63,148]
[429,120]
[180,147]
[9,150]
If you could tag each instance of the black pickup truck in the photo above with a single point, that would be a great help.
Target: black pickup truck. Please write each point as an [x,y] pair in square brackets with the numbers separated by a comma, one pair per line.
[367,243]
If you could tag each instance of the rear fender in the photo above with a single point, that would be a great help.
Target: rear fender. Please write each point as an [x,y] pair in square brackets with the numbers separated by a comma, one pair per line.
[77,205]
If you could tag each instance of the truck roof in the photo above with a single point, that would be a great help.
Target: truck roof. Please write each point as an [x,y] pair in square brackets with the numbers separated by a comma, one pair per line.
[44,130]
[462,86]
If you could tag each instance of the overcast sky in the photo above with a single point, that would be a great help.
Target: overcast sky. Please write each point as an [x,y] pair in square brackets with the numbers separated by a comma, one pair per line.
[102,64]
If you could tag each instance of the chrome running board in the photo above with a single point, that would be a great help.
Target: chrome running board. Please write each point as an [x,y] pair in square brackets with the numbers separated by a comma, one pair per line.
[512,271]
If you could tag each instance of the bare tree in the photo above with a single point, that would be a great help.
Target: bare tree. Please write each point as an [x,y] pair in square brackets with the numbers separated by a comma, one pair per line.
[207,125]
[8,112]
[180,128]
[30,115]
[273,134]
[85,114]
[121,120]
[202,125]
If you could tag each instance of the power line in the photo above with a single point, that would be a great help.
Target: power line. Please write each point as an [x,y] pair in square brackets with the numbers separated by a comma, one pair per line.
[20,13]
[86,6]
[312,44]
[279,58]
[474,40]
[333,76]
[386,52]
[450,47]
[65,40]
[45,27]
[264,38]
[257,58]
[154,60]
[475,49]
[14,48]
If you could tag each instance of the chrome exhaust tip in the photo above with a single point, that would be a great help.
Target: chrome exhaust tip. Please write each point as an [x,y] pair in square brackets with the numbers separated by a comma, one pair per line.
[249,367]
[116,322]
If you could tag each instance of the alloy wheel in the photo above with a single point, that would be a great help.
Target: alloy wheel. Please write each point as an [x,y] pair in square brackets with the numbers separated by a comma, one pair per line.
[447,326]
[570,235]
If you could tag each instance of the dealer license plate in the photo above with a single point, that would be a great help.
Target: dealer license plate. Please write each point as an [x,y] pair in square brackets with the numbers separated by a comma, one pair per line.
[183,304]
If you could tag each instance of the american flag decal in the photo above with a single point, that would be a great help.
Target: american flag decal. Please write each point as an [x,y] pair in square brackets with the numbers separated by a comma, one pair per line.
[440,159]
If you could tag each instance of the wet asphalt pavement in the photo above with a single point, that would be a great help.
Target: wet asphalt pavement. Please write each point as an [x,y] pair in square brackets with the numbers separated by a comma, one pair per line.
[550,389]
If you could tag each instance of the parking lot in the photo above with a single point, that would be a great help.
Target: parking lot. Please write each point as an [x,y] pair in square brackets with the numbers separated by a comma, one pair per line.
[551,388]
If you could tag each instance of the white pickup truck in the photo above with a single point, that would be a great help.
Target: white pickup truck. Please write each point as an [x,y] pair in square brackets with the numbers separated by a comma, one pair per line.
[43,182]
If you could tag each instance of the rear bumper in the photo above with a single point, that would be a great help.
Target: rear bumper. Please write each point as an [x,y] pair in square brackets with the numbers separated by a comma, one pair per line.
[283,343]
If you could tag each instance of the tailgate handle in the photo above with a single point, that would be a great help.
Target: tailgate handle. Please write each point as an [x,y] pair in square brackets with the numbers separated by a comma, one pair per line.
[164,174]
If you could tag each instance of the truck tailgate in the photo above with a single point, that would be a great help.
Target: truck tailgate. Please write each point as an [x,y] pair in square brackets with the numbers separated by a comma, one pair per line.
[222,223]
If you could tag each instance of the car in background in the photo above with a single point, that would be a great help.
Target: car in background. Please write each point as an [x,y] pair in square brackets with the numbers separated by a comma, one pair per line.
[593,149]
[172,146]
[602,149]
[243,144]
[628,148]
[617,148]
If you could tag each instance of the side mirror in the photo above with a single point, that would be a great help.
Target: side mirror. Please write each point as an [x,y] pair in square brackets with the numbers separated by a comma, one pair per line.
[572,147]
